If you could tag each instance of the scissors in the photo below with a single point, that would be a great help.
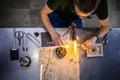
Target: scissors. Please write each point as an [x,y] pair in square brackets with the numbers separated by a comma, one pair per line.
[19,35]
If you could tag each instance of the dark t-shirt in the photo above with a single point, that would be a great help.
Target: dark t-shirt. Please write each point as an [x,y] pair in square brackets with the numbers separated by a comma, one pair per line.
[65,10]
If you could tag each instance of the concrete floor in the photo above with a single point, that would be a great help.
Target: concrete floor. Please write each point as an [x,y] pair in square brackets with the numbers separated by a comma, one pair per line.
[24,13]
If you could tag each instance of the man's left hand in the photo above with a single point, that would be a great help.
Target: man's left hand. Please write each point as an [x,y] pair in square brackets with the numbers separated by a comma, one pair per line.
[89,44]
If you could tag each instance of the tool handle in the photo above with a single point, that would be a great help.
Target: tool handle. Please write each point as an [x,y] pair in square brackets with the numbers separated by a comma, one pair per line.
[14,41]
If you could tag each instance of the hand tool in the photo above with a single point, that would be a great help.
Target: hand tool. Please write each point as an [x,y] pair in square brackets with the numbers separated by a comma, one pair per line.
[14,53]
[19,36]
[106,39]
[25,60]
[34,40]
[71,31]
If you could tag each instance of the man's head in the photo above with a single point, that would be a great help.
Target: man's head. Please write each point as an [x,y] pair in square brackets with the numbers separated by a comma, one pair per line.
[84,8]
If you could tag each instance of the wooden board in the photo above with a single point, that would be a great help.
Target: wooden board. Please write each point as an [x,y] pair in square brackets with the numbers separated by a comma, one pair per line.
[54,68]
[67,68]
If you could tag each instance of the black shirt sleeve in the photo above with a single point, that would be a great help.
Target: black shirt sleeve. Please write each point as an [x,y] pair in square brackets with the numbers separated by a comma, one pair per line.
[53,4]
[102,10]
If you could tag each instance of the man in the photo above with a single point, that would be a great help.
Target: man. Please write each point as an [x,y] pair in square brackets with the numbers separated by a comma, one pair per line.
[57,13]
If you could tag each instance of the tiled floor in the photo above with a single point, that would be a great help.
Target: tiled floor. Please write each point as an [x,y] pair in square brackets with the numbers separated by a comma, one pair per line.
[20,4]
[114,10]
[118,5]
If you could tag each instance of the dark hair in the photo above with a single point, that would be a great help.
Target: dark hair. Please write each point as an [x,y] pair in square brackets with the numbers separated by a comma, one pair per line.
[86,6]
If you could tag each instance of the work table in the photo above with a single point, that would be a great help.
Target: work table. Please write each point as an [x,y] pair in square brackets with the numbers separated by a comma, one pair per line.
[99,68]
[106,67]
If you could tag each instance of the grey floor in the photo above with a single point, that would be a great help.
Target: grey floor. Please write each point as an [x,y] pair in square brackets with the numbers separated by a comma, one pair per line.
[24,13]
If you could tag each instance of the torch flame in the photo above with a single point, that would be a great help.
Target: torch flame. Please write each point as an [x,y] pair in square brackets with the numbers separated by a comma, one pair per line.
[75,47]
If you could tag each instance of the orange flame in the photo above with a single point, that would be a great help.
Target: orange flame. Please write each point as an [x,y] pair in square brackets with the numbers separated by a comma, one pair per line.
[72,46]
[75,47]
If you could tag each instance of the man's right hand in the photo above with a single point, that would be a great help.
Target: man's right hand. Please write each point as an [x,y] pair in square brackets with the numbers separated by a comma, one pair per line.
[57,39]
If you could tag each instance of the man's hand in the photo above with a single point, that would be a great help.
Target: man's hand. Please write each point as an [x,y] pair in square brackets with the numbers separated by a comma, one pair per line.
[57,39]
[89,44]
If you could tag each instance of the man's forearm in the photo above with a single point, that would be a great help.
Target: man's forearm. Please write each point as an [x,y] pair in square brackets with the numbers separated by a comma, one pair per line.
[45,19]
[105,26]
[47,24]
[102,31]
